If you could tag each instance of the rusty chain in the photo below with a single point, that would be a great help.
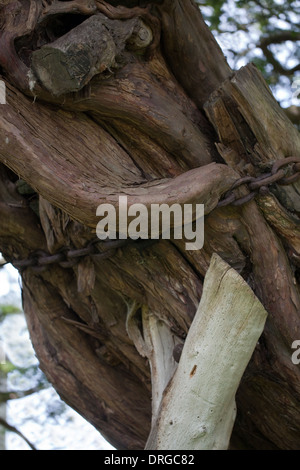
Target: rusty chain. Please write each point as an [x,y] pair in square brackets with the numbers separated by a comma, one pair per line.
[284,172]
[39,260]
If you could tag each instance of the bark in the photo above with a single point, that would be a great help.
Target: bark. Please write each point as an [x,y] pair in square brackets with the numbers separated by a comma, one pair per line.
[155,113]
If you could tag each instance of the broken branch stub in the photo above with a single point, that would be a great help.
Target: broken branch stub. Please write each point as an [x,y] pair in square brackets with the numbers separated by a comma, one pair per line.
[198,410]
[69,63]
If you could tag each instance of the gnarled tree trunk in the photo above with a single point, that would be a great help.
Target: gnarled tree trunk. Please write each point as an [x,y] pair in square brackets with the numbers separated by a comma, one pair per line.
[110,98]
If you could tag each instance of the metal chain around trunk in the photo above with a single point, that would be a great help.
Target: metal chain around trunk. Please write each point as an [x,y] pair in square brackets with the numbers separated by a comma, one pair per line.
[259,185]
[39,260]
[284,172]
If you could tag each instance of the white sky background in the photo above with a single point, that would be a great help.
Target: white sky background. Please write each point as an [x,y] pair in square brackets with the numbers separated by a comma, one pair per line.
[9,282]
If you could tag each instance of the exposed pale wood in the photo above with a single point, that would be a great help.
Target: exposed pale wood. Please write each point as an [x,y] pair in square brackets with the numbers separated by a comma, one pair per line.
[198,408]
[162,343]
[156,342]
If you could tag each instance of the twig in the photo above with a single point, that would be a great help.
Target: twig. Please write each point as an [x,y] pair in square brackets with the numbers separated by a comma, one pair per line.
[11,428]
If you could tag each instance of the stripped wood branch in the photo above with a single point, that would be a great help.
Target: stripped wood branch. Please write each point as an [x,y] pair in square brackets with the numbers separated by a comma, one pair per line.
[157,343]
[197,411]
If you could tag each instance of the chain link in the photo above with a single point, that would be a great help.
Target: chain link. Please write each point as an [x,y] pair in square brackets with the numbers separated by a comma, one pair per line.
[259,185]
[39,260]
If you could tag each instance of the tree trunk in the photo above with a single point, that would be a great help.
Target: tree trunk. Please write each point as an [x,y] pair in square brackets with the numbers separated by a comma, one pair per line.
[3,385]
[106,101]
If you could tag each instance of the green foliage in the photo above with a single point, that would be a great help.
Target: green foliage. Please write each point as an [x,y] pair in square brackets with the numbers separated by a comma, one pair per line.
[8,310]
[266,32]
[6,367]
[265,14]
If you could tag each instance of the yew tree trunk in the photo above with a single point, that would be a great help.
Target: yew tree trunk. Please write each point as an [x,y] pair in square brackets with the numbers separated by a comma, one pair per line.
[136,98]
